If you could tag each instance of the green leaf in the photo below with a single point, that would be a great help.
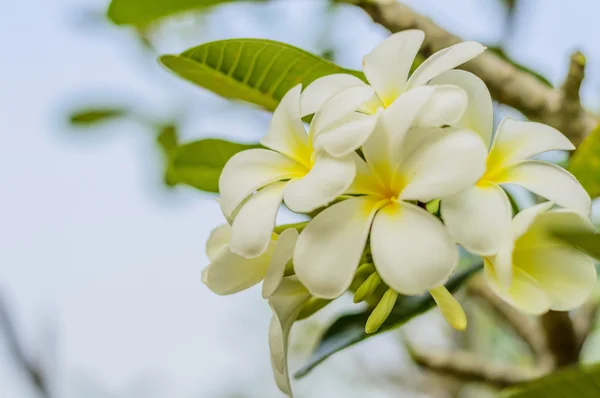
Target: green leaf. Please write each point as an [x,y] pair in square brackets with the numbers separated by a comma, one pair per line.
[142,12]
[499,51]
[589,242]
[254,70]
[577,381]
[585,163]
[167,138]
[349,329]
[199,163]
[92,116]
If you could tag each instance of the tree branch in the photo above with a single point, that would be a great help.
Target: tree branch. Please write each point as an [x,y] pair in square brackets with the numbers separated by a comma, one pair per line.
[508,84]
[561,337]
[530,332]
[584,321]
[469,367]
[570,105]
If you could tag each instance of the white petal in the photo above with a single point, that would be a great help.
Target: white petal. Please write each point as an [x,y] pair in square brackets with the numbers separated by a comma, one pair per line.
[228,217]
[479,218]
[230,273]
[565,274]
[537,230]
[285,303]
[253,226]
[517,140]
[328,178]
[452,161]
[347,136]
[331,245]
[250,170]
[523,293]
[383,148]
[522,221]
[443,60]
[284,250]
[479,115]
[365,182]
[388,65]
[218,238]
[445,107]
[372,106]
[286,132]
[412,250]
[551,182]
[503,262]
[338,108]
[319,91]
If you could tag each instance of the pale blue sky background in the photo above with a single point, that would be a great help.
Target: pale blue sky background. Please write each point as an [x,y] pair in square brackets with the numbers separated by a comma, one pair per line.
[96,255]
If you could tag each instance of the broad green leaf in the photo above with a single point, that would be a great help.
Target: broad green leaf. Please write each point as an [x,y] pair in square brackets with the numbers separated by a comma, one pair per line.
[576,382]
[585,163]
[254,70]
[91,116]
[349,329]
[588,242]
[142,12]
[199,163]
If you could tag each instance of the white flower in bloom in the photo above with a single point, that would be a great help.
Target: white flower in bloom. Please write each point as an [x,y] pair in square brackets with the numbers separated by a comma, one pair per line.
[230,273]
[387,70]
[534,271]
[411,249]
[480,217]
[290,170]
[286,304]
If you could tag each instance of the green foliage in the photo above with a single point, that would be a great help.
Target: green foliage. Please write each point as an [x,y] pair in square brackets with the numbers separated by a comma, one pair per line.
[142,12]
[585,163]
[588,242]
[254,70]
[167,138]
[199,163]
[578,381]
[92,116]
[349,329]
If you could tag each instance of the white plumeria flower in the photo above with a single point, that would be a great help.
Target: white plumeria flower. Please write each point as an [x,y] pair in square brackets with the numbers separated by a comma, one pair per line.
[411,249]
[290,170]
[480,217]
[387,70]
[286,303]
[230,273]
[534,271]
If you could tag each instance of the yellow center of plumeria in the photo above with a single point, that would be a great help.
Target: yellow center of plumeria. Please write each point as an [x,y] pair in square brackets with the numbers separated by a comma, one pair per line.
[495,171]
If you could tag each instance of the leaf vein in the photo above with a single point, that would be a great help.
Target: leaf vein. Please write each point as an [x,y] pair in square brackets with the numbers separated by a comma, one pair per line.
[236,61]
[283,75]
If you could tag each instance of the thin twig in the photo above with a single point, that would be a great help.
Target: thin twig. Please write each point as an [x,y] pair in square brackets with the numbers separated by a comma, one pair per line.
[507,83]
[469,367]
[527,330]
[34,372]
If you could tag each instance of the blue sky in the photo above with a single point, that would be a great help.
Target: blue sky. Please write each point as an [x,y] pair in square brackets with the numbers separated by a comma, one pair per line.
[95,252]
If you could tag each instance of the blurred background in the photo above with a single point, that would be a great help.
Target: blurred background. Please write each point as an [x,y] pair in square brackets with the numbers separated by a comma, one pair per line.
[100,260]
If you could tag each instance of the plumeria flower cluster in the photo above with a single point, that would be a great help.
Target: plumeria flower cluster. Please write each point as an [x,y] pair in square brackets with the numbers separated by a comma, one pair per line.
[374,157]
